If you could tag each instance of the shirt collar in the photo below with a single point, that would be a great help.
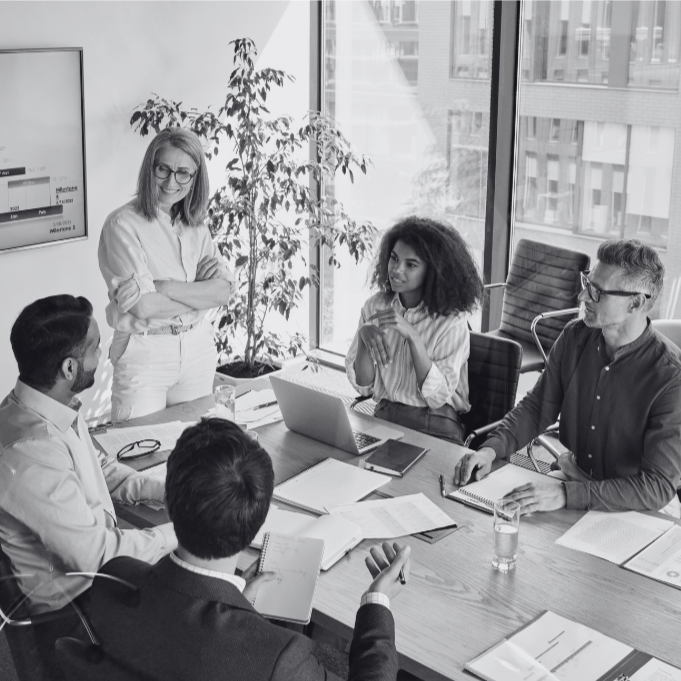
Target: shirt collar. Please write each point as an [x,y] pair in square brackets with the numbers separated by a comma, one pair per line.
[238,582]
[51,410]
[397,304]
[627,349]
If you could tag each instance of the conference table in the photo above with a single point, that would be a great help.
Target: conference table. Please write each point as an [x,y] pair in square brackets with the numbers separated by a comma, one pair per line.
[455,604]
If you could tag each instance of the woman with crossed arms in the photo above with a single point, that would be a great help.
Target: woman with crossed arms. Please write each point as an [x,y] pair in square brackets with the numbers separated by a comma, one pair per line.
[164,273]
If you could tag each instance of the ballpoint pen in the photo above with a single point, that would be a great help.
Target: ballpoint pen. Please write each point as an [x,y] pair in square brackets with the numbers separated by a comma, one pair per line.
[262,406]
[403,579]
[443,490]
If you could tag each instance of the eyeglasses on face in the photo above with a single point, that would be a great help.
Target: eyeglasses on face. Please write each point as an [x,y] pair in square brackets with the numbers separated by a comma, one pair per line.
[182,175]
[595,293]
[135,450]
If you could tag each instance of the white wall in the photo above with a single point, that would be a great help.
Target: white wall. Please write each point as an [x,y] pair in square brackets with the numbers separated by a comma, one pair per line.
[179,50]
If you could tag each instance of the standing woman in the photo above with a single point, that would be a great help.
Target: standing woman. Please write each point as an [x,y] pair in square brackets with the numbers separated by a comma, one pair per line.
[164,273]
[411,349]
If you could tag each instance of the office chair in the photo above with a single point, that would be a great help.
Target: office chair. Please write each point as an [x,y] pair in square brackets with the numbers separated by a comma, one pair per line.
[16,623]
[671,328]
[543,279]
[493,371]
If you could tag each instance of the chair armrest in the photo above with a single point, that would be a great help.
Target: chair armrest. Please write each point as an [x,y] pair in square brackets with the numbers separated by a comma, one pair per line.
[548,315]
[358,400]
[479,432]
[499,284]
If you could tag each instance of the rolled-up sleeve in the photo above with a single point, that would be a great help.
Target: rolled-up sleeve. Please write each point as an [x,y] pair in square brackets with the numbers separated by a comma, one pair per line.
[51,502]
[130,487]
[122,258]
[449,356]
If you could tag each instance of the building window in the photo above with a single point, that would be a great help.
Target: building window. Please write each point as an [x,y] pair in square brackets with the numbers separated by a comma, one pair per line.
[471,40]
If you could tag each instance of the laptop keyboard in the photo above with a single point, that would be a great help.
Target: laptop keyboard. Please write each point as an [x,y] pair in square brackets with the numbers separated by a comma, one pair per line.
[363,440]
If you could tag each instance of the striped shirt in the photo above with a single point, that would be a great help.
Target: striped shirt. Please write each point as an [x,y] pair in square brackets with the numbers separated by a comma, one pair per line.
[447,342]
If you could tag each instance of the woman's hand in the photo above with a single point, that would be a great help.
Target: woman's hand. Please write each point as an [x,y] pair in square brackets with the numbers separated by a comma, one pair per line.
[376,343]
[127,294]
[391,319]
[208,268]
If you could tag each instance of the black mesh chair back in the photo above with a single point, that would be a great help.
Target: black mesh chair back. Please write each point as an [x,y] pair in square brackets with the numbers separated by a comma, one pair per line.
[493,371]
[542,278]
[22,645]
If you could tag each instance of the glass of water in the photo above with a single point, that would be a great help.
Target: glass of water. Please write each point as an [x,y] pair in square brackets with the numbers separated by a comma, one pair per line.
[506,521]
[225,401]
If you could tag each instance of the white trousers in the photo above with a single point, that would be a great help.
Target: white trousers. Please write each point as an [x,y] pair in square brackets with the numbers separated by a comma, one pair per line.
[155,372]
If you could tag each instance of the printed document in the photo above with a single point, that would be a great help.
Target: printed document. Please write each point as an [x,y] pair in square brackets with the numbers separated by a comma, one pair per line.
[398,517]
[655,670]
[614,536]
[166,433]
[551,648]
[661,560]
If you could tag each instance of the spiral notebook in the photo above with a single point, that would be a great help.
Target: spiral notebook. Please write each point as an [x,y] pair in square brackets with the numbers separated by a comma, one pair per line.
[296,560]
[483,493]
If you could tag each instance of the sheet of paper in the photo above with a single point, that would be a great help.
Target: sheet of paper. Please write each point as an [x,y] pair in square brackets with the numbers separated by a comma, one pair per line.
[662,559]
[398,517]
[254,398]
[253,418]
[568,650]
[329,483]
[656,670]
[510,662]
[166,433]
[613,536]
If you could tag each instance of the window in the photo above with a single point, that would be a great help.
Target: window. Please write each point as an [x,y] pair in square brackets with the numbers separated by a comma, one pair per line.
[426,135]
[615,178]
[471,39]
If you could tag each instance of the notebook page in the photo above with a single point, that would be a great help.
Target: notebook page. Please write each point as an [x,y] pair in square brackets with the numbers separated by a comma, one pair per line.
[282,522]
[296,561]
[500,482]
[329,483]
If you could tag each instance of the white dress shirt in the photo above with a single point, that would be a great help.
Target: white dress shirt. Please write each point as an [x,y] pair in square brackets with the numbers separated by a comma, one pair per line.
[56,509]
[133,247]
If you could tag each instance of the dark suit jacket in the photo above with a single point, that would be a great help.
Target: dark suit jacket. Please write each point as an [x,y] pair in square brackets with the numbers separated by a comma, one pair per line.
[183,626]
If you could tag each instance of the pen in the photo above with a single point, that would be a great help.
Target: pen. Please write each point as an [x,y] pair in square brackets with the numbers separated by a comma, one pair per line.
[262,406]
[402,577]
[443,490]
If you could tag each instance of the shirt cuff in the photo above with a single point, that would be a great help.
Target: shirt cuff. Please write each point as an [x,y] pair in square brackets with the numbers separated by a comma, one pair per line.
[167,532]
[374,598]
[433,381]
[577,495]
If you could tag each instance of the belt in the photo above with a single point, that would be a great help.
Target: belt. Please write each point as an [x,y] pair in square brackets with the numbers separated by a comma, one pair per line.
[169,330]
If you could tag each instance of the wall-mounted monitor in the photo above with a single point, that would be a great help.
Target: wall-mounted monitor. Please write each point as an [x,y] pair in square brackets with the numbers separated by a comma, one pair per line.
[42,148]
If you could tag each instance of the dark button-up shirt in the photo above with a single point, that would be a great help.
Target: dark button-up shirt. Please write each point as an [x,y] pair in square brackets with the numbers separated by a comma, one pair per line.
[621,418]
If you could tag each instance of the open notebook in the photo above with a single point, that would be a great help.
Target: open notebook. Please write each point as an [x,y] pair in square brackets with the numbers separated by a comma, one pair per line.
[296,561]
[338,534]
[485,492]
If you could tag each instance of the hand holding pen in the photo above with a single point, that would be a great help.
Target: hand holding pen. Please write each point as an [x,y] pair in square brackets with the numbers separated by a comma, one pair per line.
[387,566]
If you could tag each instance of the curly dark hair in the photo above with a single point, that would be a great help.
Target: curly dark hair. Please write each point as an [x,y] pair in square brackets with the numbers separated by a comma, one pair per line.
[453,283]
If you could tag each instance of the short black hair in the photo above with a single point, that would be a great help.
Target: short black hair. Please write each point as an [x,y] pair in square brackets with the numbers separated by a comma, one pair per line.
[45,333]
[453,283]
[218,488]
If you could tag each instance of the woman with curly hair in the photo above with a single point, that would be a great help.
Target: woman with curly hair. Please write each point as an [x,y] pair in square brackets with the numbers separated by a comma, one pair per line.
[411,349]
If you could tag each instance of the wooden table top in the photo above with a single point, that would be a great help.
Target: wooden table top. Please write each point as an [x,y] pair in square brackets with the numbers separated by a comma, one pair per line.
[455,604]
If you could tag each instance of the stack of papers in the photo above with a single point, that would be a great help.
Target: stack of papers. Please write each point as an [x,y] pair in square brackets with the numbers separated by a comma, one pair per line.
[614,536]
[114,439]
[398,517]
[255,408]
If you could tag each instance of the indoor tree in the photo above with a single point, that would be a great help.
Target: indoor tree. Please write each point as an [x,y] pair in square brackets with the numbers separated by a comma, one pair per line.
[273,206]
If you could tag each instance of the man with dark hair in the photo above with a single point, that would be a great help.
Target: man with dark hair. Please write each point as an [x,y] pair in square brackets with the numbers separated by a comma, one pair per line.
[616,384]
[218,490]
[56,490]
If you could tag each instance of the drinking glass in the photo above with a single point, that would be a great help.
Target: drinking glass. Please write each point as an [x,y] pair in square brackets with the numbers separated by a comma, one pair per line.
[225,401]
[506,521]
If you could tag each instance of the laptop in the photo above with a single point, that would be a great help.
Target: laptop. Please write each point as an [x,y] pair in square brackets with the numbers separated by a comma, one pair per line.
[323,417]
